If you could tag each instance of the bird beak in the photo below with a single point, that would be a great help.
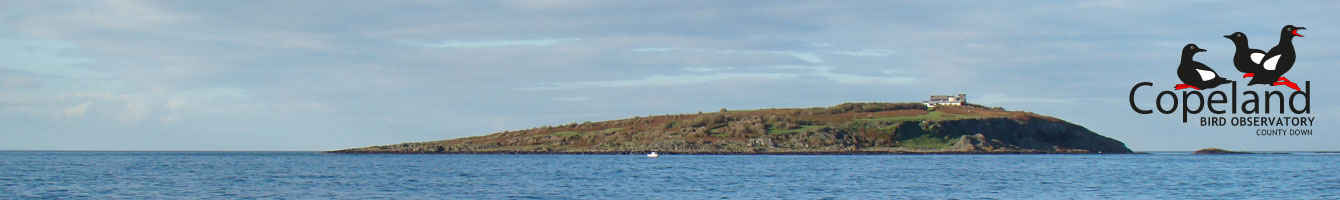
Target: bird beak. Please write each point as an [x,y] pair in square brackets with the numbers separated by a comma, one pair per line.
[1201,50]
[1228,36]
[1295,31]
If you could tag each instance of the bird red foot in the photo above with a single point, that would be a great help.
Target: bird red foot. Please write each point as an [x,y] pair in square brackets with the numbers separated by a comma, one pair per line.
[1248,75]
[1184,86]
[1285,82]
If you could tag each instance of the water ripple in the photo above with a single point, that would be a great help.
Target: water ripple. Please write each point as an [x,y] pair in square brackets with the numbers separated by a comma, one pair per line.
[246,175]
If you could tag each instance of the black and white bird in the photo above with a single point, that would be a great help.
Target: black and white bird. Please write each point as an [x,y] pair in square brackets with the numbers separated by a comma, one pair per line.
[1196,75]
[1278,60]
[1246,59]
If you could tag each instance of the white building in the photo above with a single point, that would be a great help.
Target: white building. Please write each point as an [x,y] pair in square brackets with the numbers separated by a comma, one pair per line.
[947,100]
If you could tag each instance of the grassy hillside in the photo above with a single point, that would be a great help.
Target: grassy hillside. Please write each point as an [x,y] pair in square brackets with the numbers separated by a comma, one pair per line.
[845,128]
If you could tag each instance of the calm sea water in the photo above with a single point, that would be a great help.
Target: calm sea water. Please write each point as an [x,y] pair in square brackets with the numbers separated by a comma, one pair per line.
[307,175]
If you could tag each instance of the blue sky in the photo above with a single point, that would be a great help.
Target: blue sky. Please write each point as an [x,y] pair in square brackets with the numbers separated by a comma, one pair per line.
[309,75]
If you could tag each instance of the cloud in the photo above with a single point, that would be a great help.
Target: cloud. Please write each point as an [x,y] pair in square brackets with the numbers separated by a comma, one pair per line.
[706,69]
[892,71]
[858,79]
[134,112]
[866,52]
[570,99]
[499,43]
[664,49]
[661,80]
[175,104]
[677,80]
[77,110]
[807,56]
[827,72]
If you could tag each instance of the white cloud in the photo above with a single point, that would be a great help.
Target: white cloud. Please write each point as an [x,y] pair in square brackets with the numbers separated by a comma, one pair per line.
[661,81]
[134,112]
[827,72]
[804,56]
[858,79]
[174,107]
[499,43]
[676,80]
[175,104]
[77,110]
[808,67]
[866,52]
[892,71]
[807,56]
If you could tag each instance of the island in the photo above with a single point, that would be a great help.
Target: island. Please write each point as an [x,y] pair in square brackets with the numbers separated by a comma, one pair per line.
[848,128]
[1212,150]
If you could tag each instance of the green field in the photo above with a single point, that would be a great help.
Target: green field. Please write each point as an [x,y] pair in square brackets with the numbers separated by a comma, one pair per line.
[774,130]
[926,142]
[931,116]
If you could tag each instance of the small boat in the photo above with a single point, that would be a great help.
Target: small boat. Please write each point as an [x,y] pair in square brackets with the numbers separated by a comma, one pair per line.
[653,155]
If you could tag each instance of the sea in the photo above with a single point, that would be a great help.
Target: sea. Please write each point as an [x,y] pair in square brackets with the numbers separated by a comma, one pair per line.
[315,175]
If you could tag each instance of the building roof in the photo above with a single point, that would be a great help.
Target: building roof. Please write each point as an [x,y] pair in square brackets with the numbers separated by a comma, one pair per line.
[945,98]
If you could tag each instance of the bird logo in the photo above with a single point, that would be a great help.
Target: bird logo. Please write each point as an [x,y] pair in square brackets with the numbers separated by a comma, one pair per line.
[1266,67]
[1196,75]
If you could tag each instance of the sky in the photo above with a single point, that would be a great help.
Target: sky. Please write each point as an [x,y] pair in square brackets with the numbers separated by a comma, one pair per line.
[324,75]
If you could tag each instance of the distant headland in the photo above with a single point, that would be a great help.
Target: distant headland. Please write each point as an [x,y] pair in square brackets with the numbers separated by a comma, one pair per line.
[849,128]
[1212,150]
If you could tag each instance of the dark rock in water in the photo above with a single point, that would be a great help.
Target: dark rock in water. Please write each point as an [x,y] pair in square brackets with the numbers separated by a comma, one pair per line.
[1213,150]
[850,128]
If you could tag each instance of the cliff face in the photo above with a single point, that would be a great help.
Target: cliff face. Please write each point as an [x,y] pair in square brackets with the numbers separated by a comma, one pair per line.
[852,128]
[1025,134]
